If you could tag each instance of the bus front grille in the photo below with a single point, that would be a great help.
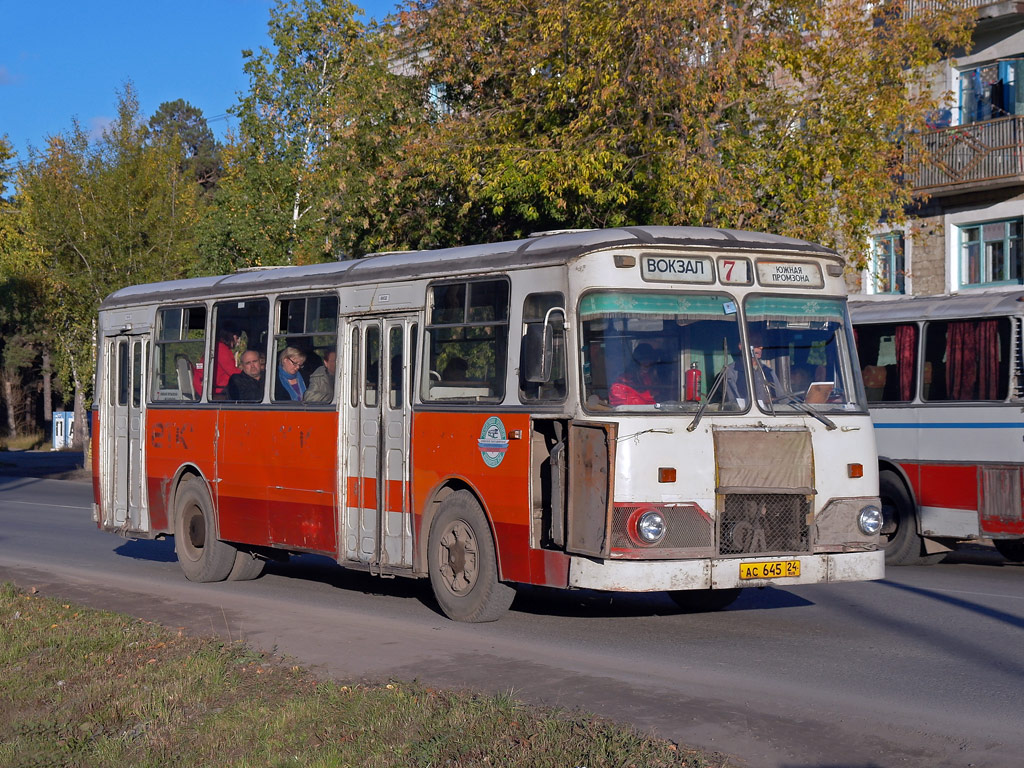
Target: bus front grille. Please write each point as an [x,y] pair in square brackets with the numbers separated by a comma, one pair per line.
[763,524]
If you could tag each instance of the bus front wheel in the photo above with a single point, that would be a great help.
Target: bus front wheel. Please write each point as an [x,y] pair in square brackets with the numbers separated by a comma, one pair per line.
[462,563]
[903,545]
[201,555]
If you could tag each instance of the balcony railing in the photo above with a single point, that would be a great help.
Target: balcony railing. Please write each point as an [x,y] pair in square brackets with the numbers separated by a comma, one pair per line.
[975,156]
[987,9]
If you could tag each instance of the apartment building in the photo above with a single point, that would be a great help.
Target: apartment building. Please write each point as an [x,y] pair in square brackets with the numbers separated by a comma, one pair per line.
[967,234]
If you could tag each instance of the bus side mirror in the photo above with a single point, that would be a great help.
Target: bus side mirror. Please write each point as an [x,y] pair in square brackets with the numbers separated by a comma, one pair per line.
[538,352]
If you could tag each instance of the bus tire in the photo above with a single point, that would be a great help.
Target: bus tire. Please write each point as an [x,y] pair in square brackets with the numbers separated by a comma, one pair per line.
[462,563]
[202,557]
[704,600]
[1011,549]
[246,566]
[903,545]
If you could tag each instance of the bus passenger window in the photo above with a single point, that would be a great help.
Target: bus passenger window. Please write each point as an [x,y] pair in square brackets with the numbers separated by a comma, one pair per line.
[307,336]
[888,358]
[967,359]
[240,341]
[180,341]
[467,341]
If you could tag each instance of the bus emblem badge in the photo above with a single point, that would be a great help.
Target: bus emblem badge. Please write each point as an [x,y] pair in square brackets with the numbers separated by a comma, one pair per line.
[492,442]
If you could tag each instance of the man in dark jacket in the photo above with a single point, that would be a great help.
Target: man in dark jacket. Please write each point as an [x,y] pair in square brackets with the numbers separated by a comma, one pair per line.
[247,386]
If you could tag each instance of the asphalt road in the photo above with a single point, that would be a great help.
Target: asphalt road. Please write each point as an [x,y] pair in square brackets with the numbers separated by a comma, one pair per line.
[925,668]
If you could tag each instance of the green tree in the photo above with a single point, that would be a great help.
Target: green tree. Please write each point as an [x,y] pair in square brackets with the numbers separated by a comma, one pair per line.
[788,117]
[99,217]
[271,206]
[179,121]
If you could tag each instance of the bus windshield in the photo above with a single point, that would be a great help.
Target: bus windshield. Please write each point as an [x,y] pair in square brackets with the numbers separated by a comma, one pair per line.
[660,352]
[646,351]
[800,351]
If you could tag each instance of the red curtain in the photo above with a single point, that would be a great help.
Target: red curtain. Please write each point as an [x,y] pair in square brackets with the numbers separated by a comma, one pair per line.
[906,344]
[972,360]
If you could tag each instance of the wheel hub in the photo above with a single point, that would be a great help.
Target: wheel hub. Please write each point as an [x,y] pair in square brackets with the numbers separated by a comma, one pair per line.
[458,558]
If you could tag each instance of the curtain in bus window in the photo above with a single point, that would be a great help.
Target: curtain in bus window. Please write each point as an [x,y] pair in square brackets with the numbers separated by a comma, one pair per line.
[906,343]
[972,360]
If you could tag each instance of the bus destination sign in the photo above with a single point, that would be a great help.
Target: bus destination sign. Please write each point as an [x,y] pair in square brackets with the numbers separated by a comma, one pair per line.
[789,274]
[676,269]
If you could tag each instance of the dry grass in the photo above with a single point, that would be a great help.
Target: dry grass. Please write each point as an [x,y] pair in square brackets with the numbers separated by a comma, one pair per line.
[80,687]
[27,441]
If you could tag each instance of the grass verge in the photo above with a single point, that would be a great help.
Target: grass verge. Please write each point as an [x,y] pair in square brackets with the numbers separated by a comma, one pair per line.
[24,442]
[80,687]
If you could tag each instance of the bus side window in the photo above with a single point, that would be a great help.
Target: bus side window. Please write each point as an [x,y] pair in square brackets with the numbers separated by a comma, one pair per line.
[306,331]
[888,358]
[240,330]
[467,340]
[967,359]
[177,354]
[535,311]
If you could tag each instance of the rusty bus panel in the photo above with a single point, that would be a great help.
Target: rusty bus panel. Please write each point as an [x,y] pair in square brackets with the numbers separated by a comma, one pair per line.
[591,462]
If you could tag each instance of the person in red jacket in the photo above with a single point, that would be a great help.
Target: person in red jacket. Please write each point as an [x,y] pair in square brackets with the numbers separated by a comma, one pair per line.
[224,362]
[638,385]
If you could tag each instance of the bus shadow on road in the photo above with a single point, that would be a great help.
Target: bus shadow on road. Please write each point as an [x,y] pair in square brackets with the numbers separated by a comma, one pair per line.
[544,601]
[540,601]
[156,550]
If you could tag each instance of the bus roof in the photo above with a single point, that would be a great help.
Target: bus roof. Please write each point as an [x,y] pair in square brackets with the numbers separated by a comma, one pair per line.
[543,249]
[898,308]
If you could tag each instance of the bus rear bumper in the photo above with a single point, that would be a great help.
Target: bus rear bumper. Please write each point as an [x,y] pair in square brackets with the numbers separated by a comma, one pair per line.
[671,575]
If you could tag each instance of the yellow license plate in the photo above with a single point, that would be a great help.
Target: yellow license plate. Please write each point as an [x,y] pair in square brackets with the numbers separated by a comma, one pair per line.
[775,569]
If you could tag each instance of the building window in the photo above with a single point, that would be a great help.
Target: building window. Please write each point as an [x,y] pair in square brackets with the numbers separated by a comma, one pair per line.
[992,91]
[990,253]
[889,262]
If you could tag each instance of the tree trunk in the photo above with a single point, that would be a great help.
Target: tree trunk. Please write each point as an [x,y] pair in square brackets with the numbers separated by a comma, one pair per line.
[81,428]
[12,416]
[47,392]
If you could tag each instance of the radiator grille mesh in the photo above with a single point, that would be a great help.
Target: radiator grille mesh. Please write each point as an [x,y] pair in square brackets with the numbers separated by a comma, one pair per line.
[763,524]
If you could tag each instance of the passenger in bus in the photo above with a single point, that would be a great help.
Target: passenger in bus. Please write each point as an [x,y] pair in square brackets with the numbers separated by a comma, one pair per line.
[800,378]
[290,384]
[638,385]
[321,383]
[224,357]
[248,385]
[457,369]
[766,384]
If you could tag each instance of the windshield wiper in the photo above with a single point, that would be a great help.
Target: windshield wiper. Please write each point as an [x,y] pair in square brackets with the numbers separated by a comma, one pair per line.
[703,406]
[800,405]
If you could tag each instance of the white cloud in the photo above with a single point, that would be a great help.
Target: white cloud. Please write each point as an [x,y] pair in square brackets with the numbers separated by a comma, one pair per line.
[6,78]
[97,125]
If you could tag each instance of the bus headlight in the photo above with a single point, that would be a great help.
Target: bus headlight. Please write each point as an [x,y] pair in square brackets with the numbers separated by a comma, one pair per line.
[650,527]
[870,520]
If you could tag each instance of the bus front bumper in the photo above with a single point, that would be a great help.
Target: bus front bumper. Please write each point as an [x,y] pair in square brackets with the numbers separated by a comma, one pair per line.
[671,575]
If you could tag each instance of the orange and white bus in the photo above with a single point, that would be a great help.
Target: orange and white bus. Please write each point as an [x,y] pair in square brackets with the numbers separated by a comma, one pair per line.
[945,380]
[570,410]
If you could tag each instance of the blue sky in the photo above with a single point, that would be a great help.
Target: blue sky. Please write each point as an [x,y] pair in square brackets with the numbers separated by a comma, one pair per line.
[61,60]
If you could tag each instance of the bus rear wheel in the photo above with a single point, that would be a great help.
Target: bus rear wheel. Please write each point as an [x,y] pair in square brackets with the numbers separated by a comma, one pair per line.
[903,545]
[1011,549]
[462,563]
[201,555]
[704,600]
